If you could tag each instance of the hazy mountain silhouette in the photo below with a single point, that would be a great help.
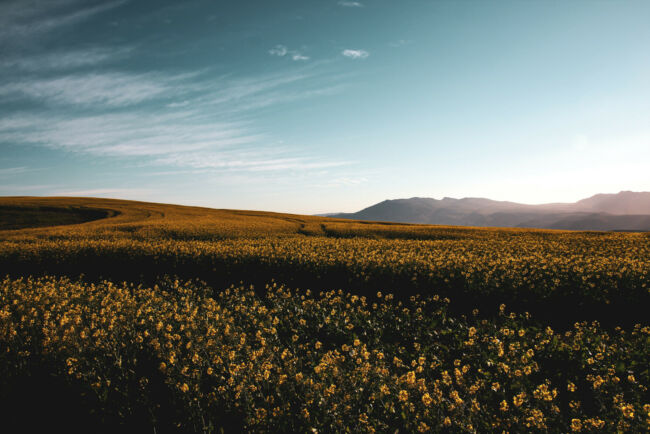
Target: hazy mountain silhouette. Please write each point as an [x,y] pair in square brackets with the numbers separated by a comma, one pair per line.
[624,211]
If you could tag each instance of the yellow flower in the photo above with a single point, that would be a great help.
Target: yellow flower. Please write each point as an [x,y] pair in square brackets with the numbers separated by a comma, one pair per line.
[410,378]
[628,410]
[517,400]
[403,395]
[426,399]
[576,425]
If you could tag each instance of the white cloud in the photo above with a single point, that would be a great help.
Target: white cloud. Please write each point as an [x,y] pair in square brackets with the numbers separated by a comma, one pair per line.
[351,4]
[355,54]
[279,50]
[282,51]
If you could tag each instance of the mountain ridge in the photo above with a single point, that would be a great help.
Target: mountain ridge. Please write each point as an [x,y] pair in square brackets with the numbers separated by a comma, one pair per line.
[623,211]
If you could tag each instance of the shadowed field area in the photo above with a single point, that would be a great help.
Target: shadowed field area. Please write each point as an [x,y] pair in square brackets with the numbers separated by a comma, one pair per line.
[21,217]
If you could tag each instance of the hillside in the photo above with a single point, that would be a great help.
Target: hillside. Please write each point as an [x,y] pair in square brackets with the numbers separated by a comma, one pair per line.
[625,211]
[166,318]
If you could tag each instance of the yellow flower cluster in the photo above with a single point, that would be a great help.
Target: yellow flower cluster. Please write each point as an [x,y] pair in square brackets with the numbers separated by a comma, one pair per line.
[285,360]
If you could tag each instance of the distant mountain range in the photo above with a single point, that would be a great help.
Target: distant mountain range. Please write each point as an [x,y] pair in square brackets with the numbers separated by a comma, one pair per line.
[624,211]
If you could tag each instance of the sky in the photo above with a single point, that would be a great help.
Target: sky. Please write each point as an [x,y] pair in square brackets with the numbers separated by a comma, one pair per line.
[316,106]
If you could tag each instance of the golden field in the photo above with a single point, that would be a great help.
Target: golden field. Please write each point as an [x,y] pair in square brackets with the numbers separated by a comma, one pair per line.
[416,339]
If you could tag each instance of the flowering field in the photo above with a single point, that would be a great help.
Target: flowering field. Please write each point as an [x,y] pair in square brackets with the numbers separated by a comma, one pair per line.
[417,339]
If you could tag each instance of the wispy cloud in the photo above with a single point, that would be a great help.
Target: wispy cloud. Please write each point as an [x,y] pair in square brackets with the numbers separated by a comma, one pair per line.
[355,54]
[279,50]
[191,132]
[113,192]
[65,60]
[112,89]
[13,188]
[399,43]
[20,19]
[282,51]
[249,161]
[348,181]
[9,171]
[178,104]
[351,4]
[127,134]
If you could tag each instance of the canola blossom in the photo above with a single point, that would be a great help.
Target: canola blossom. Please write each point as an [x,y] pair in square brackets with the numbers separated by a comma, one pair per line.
[297,361]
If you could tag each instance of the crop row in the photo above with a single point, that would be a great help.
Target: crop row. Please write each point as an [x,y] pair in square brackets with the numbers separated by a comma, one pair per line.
[607,280]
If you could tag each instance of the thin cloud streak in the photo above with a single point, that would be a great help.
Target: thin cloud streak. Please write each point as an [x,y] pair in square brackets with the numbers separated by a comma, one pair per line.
[109,89]
[65,60]
[127,135]
[20,20]
[104,191]
[245,162]
[41,188]
[351,4]
[8,171]
[283,51]
[355,54]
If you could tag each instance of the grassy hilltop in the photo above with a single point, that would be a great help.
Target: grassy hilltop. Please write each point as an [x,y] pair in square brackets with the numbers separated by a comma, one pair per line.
[362,326]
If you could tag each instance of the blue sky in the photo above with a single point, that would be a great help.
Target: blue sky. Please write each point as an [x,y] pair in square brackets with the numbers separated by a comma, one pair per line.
[313,106]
